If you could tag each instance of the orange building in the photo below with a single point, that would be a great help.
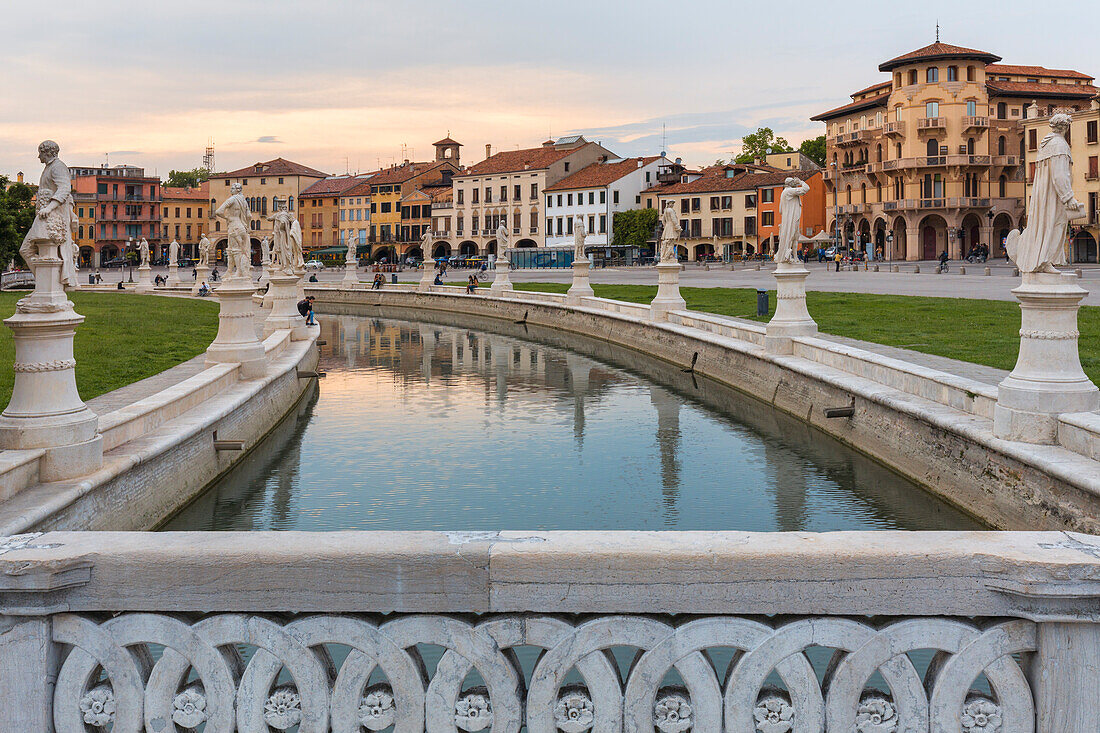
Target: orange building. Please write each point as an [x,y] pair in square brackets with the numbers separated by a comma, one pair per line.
[185,216]
[127,208]
[767,206]
[319,211]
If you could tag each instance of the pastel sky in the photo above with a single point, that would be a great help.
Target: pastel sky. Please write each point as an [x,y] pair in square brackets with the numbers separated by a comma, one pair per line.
[342,85]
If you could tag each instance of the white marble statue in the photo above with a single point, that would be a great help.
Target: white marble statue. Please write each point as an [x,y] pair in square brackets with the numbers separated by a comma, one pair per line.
[173,252]
[143,250]
[1041,245]
[353,243]
[790,218]
[579,235]
[426,245]
[53,221]
[287,252]
[238,220]
[204,250]
[669,233]
[265,250]
[502,240]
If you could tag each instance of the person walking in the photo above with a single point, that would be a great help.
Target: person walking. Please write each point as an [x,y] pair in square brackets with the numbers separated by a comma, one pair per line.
[837,258]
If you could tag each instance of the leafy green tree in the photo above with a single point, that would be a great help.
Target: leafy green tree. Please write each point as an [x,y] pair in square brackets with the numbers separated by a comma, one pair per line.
[814,149]
[191,178]
[633,228]
[761,143]
[16,215]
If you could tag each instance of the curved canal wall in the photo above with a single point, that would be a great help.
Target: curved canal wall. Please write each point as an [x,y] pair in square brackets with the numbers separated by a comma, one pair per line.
[933,427]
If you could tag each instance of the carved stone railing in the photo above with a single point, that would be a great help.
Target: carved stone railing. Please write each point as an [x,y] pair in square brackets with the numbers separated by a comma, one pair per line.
[874,632]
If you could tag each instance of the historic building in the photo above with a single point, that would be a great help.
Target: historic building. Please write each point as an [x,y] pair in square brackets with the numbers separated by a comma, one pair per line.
[127,208]
[931,159]
[267,186]
[185,216]
[355,212]
[319,211]
[507,188]
[1084,140]
[596,192]
[768,193]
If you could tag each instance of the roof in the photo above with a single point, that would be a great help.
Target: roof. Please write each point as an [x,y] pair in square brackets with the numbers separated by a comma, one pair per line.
[743,182]
[199,193]
[868,103]
[1035,71]
[329,186]
[601,174]
[440,194]
[359,189]
[880,85]
[447,141]
[404,172]
[276,167]
[508,161]
[1028,89]
[938,50]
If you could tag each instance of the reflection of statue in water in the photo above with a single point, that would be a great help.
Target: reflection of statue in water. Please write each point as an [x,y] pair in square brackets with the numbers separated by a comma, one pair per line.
[670,232]
[238,219]
[668,445]
[54,221]
[790,218]
[1041,245]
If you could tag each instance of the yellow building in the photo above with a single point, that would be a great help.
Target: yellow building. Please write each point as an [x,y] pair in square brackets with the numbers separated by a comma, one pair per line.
[319,211]
[267,186]
[1084,140]
[931,159]
[85,231]
[185,213]
[389,232]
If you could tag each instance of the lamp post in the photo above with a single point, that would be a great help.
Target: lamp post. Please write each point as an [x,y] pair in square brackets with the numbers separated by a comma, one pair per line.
[989,218]
[129,262]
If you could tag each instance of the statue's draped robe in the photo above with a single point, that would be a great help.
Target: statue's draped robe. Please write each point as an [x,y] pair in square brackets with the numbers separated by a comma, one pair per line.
[669,233]
[1043,241]
[54,185]
[237,217]
[790,219]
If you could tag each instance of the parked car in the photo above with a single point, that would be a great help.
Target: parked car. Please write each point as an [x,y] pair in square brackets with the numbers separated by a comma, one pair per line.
[315,266]
[115,262]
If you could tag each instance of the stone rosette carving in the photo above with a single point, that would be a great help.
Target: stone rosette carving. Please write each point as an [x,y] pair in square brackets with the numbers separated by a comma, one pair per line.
[574,711]
[773,714]
[876,714]
[377,710]
[283,708]
[473,711]
[98,706]
[189,708]
[980,715]
[672,712]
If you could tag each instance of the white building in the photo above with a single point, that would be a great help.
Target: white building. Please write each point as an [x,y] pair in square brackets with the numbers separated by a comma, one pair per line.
[596,192]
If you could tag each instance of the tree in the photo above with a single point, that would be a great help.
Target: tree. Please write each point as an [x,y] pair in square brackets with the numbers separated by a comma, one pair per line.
[814,149]
[183,179]
[761,143]
[16,215]
[633,228]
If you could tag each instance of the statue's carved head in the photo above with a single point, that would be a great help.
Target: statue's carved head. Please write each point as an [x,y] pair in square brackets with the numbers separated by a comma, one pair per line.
[235,188]
[792,182]
[1060,123]
[48,150]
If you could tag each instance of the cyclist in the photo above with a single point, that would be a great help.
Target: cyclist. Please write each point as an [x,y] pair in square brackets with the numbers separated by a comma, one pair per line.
[943,261]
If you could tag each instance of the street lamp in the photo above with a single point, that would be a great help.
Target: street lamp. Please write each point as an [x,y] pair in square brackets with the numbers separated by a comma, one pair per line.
[129,262]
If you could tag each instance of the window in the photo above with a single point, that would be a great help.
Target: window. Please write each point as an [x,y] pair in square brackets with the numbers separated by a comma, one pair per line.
[534,221]
[685,206]
[476,192]
[767,219]
[603,197]
[1090,131]
[386,207]
[568,199]
[952,73]
[558,227]
[695,203]
[559,199]
[912,80]
[971,74]
[1001,145]
[591,198]
[767,196]
[715,203]
[280,181]
[1032,139]
[932,75]
[591,223]
[897,113]
[461,197]
[516,192]
[971,107]
[568,225]
[1002,111]
[727,202]
[534,191]
[567,170]
[932,109]
[504,193]
[603,223]
[615,198]
[932,149]
[1094,168]
[549,225]
[488,195]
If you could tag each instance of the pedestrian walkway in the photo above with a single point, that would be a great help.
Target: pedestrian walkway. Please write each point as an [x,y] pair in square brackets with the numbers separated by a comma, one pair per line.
[131,393]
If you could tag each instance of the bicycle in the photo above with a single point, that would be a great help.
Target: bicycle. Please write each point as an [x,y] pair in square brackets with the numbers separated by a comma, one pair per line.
[943,267]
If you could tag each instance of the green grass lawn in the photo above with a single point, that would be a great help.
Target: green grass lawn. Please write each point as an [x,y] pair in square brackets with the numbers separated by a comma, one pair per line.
[979,331]
[124,338]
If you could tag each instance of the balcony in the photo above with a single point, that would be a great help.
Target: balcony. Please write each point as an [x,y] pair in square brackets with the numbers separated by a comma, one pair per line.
[854,208]
[533,230]
[972,122]
[894,129]
[847,139]
[1006,161]
[931,124]
[968,202]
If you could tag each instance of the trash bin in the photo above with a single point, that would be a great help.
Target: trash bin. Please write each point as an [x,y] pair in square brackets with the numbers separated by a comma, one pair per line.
[91,279]
[761,302]
[393,279]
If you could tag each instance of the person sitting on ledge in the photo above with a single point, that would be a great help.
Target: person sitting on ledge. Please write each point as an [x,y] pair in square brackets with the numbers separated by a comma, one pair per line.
[379,279]
[203,290]
[313,278]
[120,285]
[438,279]
[305,307]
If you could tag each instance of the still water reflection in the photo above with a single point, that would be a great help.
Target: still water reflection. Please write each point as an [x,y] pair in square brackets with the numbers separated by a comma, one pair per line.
[436,426]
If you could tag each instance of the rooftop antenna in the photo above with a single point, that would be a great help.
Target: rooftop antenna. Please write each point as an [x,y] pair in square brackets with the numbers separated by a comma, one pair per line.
[937,31]
[208,155]
[347,166]
[664,138]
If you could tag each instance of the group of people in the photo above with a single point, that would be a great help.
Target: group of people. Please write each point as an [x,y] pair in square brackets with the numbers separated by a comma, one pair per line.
[379,281]
[977,253]
[472,283]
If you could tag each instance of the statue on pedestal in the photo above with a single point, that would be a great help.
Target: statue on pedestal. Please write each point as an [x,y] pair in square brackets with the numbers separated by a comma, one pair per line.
[54,221]
[579,235]
[790,218]
[502,240]
[288,242]
[670,232]
[143,250]
[1052,205]
[265,250]
[173,253]
[204,250]
[353,243]
[238,219]
[426,245]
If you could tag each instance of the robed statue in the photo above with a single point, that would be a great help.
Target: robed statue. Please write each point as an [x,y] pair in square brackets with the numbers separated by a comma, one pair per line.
[238,220]
[54,219]
[426,245]
[265,250]
[143,251]
[670,232]
[173,252]
[790,218]
[204,250]
[579,236]
[1041,245]
[502,240]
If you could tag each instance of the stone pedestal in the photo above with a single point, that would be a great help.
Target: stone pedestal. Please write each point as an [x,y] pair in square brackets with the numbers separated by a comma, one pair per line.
[145,279]
[265,274]
[1047,379]
[236,341]
[581,287]
[45,410]
[173,274]
[427,276]
[351,272]
[500,280]
[791,317]
[283,296]
[202,275]
[668,291]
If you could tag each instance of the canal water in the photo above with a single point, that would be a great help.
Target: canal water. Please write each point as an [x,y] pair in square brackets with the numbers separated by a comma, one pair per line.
[503,426]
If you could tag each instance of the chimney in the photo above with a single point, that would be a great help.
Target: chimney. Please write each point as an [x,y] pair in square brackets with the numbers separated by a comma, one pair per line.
[488,150]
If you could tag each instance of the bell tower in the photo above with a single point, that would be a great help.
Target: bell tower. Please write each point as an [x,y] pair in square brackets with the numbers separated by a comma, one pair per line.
[447,149]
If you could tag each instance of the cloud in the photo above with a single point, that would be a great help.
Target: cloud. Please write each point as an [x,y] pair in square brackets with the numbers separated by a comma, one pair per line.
[267,139]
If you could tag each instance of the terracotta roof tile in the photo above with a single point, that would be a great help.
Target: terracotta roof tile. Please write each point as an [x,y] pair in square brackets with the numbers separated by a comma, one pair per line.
[447,141]
[330,186]
[276,167]
[868,103]
[1035,71]
[508,161]
[938,50]
[600,174]
[1028,89]
[200,193]
[402,173]
[743,182]
[881,85]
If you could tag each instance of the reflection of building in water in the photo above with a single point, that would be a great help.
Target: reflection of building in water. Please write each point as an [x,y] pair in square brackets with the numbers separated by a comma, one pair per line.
[789,485]
[668,444]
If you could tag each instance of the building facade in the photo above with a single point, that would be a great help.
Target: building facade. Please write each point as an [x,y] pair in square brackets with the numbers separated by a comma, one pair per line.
[319,211]
[931,159]
[768,194]
[1084,140]
[127,208]
[398,215]
[596,192]
[185,216]
[507,188]
[355,212]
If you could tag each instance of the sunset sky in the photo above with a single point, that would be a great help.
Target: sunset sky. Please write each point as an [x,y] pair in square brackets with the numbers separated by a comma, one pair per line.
[342,85]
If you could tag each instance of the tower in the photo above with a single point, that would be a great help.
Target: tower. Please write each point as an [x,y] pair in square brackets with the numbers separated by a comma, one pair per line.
[447,149]
[208,156]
